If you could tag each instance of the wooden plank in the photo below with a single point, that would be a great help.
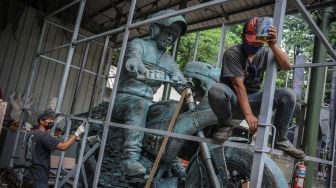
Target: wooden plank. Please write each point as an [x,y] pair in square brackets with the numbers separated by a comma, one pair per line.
[68,162]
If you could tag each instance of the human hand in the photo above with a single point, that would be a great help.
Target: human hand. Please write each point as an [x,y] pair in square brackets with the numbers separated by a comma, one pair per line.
[80,130]
[272,32]
[252,121]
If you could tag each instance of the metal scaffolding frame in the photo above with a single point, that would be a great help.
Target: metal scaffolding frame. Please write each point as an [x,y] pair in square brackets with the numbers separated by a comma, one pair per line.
[261,147]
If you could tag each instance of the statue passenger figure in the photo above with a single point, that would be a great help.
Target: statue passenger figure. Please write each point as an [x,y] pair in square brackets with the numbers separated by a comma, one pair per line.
[135,92]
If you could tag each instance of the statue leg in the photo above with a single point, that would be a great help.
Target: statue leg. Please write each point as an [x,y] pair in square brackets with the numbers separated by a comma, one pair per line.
[133,110]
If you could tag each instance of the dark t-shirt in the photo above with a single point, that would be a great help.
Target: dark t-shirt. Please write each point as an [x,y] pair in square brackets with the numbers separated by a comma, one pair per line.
[235,63]
[39,145]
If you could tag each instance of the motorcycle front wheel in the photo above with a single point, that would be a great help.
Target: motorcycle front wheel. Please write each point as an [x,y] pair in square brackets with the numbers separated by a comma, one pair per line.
[239,164]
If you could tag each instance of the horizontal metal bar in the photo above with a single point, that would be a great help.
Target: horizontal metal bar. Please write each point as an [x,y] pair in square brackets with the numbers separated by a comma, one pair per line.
[52,59]
[63,63]
[63,8]
[151,20]
[178,12]
[313,65]
[53,49]
[318,160]
[70,30]
[113,31]
[154,131]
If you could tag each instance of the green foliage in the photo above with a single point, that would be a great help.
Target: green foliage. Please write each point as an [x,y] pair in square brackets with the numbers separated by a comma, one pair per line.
[298,38]
[208,45]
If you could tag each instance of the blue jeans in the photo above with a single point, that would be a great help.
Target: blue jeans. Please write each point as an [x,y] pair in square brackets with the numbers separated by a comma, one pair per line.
[223,102]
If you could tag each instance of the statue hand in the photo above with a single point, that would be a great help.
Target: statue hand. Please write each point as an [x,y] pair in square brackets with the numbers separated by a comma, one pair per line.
[135,68]
[17,104]
[175,78]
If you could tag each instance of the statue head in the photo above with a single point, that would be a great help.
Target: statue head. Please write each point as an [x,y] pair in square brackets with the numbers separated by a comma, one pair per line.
[166,31]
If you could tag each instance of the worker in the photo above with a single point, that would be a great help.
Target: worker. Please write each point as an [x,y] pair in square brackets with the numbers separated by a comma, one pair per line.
[39,145]
[239,93]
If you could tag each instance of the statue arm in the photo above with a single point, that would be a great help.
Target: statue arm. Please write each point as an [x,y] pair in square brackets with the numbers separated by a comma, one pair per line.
[177,76]
[133,59]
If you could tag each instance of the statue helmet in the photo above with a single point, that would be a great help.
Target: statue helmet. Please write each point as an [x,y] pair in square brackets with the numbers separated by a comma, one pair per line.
[154,27]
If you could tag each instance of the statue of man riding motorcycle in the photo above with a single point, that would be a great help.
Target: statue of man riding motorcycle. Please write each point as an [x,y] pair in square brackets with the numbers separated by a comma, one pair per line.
[146,59]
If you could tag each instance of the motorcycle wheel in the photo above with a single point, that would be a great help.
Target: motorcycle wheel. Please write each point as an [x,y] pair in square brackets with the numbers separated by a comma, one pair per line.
[239,164]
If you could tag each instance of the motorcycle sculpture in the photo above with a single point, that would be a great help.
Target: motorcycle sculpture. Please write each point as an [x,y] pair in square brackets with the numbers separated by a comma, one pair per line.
[209,165]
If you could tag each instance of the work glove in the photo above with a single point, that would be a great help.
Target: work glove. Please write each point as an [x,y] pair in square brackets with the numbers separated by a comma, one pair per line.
[80,130]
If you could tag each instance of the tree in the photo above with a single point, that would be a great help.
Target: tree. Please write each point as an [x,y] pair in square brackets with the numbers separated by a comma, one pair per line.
[208,45]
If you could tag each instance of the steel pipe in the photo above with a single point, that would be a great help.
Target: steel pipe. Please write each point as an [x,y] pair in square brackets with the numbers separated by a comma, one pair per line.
[112,98]
[63,8]
[151,20]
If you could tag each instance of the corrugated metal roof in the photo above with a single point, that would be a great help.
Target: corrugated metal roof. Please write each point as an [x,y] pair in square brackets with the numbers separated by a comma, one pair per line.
[103,15]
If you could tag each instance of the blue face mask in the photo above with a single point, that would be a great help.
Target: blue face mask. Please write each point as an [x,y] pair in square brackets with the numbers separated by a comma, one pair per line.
[250,50]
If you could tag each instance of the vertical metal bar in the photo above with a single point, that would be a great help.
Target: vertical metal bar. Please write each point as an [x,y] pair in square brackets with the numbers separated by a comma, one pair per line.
[99,73]
[60,163]
[196,45]
[174,54]
[167,88]
[29,90]
[221,46]
[84,177]
[81,154]
[106,76]
[69,59]
[208,162]
[315,28]
[114,91]
[80,77]
[314,100]
[65,79]
[333,130]
[297,88]
[267,102]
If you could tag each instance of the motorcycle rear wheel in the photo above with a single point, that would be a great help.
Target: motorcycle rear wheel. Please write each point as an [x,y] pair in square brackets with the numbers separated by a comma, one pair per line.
[239,164]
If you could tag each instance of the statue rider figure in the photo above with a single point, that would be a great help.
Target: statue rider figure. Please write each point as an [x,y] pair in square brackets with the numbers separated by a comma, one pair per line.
[146,65]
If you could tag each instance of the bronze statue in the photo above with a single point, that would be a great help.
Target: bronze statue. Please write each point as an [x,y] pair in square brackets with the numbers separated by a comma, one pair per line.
[147,64]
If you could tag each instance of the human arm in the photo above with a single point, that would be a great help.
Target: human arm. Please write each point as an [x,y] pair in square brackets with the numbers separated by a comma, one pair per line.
[238,85]
[66,144]
[281,57]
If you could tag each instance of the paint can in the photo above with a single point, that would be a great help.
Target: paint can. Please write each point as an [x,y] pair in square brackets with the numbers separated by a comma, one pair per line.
[263,24]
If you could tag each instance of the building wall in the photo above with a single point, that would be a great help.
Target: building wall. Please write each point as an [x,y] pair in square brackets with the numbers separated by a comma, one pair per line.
[17,49]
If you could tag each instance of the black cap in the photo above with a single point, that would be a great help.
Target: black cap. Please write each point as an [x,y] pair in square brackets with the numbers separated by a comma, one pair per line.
[49,113]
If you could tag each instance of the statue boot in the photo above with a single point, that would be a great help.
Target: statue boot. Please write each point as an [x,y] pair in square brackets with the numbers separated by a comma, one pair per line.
[282,143]
[132,150]
[223,133]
